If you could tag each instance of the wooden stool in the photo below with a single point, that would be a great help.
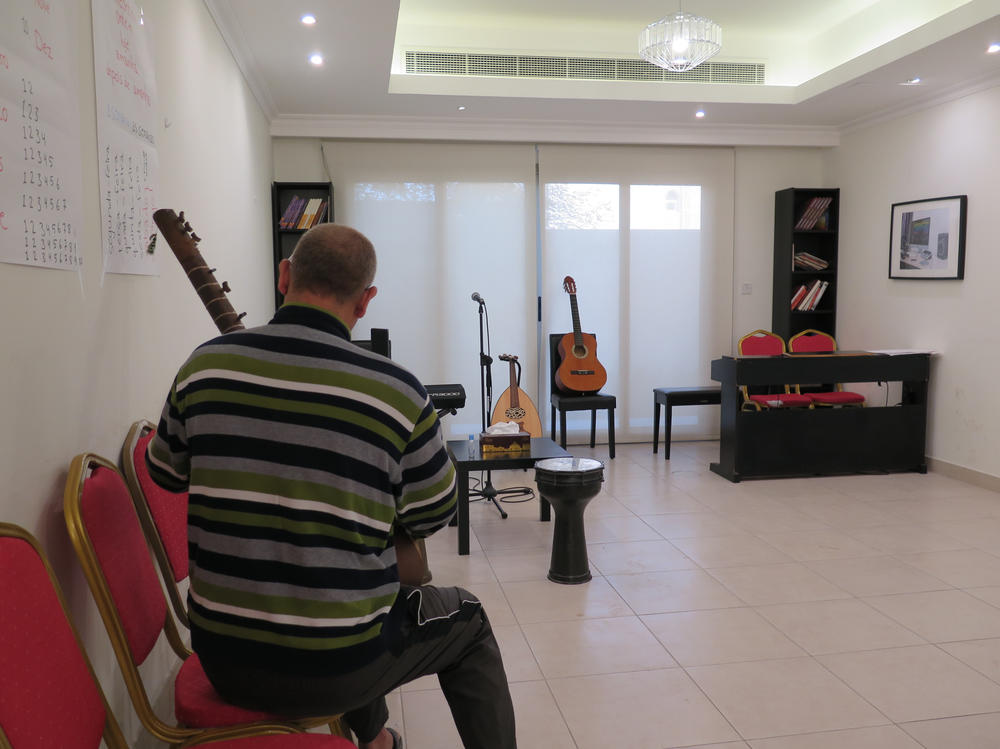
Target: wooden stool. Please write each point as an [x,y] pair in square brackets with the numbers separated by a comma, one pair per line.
[670,397]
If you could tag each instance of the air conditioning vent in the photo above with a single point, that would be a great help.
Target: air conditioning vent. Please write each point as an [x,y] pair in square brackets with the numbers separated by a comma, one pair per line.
[587,68]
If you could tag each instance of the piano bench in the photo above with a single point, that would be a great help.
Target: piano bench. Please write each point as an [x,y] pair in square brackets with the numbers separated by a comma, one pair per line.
[670,397]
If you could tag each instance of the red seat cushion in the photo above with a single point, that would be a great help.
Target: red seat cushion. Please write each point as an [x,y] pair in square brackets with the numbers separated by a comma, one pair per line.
[198,705]
[837,398]
[47,694]
[779,400]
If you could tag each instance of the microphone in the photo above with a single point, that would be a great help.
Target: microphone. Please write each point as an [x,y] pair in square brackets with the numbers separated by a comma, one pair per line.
[477,298]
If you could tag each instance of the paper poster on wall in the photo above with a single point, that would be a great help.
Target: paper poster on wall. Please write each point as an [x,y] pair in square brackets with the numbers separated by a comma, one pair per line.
[128,167]
[41,191]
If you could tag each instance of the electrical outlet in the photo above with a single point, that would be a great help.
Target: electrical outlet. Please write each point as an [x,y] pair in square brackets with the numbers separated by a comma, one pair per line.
[746,288]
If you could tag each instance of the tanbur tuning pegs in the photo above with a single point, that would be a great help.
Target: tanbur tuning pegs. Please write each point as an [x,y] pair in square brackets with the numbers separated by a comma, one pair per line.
[241,315]
[195,237]
[225,287]
[187,227]
[180,217]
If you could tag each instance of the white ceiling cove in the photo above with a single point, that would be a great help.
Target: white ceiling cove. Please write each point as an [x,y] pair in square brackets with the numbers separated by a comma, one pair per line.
[830,66]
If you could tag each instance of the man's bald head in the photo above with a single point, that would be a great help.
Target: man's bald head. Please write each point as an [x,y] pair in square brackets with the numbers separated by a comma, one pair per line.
[332,260]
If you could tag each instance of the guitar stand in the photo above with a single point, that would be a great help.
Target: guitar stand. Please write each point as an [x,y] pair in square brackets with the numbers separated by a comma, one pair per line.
[487,490]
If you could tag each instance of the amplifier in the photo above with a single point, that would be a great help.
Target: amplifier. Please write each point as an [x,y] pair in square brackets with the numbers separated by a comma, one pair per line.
[446,397]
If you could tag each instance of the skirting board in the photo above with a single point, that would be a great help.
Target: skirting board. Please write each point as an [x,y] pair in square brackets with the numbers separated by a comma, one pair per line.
[968,475]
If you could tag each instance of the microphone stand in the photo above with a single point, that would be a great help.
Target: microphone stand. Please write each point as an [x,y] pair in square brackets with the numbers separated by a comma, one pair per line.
[488,491]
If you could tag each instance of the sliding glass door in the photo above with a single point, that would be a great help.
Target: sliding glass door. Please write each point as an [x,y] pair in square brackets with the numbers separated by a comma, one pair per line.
[646,234]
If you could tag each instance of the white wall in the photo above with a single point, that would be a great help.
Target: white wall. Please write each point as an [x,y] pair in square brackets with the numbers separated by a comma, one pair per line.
[84,357]
[950,149]
[760,172]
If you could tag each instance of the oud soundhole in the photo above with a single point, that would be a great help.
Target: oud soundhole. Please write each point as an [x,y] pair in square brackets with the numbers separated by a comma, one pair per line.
[580,351]
[514,414]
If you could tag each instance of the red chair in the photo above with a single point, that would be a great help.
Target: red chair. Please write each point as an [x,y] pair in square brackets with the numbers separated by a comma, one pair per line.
[766,343]
[162,514]
[112,550]
[49,695]
[817,342]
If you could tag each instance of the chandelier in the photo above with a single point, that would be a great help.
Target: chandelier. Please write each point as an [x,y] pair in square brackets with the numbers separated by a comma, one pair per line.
[680,41]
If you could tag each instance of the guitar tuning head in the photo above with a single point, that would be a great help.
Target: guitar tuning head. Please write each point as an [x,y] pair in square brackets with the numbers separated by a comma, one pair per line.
[195,237]
[225,287]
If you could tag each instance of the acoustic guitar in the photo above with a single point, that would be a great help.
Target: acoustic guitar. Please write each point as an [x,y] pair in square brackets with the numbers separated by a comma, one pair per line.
[515,405]
[579,371]
[411,556]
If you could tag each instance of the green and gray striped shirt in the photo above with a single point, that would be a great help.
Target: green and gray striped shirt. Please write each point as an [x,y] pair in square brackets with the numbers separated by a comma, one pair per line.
[300,452]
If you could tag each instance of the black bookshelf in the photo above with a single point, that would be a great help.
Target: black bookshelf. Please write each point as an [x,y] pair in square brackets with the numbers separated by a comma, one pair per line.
[819,240]
[282,194]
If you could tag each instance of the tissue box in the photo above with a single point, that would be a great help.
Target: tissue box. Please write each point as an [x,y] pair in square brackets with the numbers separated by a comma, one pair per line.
[492,443]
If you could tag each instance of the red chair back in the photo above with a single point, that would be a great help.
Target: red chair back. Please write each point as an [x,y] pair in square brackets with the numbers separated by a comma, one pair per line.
[168,510]
[812,341]
[48,696]
[114,532]
[761,343]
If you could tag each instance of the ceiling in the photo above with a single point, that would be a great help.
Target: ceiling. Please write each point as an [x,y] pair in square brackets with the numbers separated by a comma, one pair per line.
[830,66]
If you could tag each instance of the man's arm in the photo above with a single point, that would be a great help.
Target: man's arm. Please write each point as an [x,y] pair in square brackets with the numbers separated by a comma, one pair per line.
[167,458]
[428,497]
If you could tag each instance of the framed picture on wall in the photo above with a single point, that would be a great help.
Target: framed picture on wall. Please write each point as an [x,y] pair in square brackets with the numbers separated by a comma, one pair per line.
[927,238]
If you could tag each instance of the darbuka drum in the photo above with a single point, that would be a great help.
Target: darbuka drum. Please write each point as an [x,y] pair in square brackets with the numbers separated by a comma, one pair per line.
[568,484]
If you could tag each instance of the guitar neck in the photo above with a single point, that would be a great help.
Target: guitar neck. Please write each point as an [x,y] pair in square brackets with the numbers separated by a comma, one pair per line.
[577,334]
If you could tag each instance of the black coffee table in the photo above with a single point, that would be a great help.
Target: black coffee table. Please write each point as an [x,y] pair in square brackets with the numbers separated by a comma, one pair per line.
[467,457]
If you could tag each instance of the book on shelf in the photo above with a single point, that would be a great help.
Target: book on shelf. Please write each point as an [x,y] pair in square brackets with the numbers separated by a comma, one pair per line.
[309,213]
[320,216]
[808,261]
[812,213]
[291,215]
[804,305]
[798,295]
[812,296]
[819,295]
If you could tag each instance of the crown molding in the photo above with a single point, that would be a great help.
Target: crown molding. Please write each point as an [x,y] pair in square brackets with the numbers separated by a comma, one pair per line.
[232,34]
[983,84]
[540,131]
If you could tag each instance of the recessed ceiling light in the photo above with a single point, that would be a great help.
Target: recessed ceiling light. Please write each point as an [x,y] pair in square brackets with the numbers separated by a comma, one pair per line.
[461,107]
[993,48]
[911,82]
[316,59]
[308,19]
[700,113]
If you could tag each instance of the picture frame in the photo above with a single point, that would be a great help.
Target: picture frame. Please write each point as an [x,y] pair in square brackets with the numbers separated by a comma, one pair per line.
[927,239]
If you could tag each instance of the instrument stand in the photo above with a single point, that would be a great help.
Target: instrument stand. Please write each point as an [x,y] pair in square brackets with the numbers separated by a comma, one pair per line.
[487,490]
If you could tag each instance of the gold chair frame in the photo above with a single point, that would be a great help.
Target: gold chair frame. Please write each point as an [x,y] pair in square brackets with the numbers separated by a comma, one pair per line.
[177,735]
[837,386]
[154,540]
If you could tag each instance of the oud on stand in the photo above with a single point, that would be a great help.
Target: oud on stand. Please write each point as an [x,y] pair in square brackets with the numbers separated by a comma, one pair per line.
[487,490]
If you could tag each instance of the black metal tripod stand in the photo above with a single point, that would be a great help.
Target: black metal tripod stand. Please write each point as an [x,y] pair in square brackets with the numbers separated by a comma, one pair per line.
[488,491]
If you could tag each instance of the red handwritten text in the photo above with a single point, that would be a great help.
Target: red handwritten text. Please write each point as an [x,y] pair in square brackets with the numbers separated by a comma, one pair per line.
[42,46]
[43,5]
[3,61]
[3,215]
[123,21]
[128,62]
[143,96]
[118,78]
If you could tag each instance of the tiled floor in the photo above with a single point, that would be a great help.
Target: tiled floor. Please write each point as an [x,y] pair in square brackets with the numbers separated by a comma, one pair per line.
[856,612]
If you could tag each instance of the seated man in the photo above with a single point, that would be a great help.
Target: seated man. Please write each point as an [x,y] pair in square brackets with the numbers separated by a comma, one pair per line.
[302,455]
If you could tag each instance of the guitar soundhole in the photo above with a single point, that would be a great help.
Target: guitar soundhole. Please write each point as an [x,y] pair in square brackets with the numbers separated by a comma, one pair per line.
[580,351]
[513,414]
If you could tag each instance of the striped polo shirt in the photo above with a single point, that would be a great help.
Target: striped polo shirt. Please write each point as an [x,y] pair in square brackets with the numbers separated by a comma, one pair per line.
[300,452]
